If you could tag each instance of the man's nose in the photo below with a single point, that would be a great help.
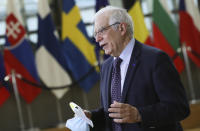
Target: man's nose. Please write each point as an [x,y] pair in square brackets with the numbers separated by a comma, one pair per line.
[98,38]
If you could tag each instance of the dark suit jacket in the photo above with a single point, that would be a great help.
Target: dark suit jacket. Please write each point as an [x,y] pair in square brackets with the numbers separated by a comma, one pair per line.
[152,85]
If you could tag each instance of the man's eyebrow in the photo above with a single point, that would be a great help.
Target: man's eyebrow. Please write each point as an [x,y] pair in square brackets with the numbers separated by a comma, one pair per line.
[98,29]
[102,27]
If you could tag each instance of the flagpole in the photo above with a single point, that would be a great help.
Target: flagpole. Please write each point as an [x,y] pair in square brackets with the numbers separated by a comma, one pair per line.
[19,109]
[85,100]
[189,76]
[29,111]
[30,118]
[60,118]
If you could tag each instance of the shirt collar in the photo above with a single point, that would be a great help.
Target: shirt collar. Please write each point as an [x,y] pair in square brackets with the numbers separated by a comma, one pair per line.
[126,53]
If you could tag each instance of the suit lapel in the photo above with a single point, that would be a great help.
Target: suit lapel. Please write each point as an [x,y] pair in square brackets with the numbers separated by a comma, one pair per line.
[133,64]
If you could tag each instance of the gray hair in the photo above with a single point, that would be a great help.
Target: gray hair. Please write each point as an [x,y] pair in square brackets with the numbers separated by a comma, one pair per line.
[116,14]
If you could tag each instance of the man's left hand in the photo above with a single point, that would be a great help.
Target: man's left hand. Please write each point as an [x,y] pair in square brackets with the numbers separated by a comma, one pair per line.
[124,113]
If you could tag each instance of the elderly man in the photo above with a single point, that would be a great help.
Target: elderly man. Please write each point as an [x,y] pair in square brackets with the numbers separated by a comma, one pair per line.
[140,87]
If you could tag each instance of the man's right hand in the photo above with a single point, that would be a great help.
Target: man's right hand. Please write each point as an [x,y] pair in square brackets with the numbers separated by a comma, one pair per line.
[88,114]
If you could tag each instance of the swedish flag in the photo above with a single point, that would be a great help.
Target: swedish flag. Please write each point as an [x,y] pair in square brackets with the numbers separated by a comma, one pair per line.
[77,46]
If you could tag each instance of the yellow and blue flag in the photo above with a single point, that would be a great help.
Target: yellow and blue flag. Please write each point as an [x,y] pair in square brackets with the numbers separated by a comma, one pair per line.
[78,47]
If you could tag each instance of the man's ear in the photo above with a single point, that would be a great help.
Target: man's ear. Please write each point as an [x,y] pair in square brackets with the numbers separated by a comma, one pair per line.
[123,28]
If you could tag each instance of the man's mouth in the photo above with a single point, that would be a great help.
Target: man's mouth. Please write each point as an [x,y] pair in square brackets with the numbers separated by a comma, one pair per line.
[103,45]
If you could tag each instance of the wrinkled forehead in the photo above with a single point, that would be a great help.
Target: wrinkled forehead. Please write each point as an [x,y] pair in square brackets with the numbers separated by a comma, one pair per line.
[100,21]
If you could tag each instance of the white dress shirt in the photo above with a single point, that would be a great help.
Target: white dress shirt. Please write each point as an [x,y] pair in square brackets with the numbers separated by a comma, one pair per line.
[126,56]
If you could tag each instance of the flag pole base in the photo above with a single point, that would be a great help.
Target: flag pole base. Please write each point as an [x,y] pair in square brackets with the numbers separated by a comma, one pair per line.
[61,125]
[33,129]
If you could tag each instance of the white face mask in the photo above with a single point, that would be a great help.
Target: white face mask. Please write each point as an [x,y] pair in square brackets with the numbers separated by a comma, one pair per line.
[77,124]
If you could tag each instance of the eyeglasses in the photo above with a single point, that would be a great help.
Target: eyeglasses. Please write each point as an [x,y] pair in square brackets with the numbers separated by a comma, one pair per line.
[102,30]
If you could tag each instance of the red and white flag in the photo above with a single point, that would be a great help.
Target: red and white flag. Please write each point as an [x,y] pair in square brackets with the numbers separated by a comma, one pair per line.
[190,29]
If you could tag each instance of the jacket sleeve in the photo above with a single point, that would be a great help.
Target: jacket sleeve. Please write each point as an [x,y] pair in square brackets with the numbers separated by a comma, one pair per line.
[98,116]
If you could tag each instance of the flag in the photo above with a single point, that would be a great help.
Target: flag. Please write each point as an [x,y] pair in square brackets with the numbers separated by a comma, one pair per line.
[18,54]
[78,47]
[165,34]
[51,63]
[141,32]
[100,4]
[189,28]
[101,56]
[4,91]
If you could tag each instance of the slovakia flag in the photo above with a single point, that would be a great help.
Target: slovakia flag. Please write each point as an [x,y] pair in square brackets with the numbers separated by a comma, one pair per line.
[4,92]
[18,54]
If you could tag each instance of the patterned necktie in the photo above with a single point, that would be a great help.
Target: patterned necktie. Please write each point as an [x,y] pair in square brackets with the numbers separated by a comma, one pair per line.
[116,88]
